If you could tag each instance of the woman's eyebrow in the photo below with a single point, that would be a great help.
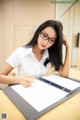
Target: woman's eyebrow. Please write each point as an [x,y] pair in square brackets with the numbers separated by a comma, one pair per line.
[48,35]
[45,32]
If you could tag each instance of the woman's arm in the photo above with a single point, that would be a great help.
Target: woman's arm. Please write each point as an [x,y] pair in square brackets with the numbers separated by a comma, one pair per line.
[6,70]
[64,70]
[25,81]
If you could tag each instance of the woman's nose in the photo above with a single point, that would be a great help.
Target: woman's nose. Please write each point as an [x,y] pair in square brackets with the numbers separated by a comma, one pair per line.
[46,41]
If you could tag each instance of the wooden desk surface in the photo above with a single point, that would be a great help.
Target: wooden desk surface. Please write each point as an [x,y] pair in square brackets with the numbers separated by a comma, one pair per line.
[69,110]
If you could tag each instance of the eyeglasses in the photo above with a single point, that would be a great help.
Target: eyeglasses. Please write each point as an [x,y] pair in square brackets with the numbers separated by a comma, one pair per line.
[45,36]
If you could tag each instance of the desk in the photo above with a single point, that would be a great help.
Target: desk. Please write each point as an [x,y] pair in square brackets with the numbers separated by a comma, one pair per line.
[69,110]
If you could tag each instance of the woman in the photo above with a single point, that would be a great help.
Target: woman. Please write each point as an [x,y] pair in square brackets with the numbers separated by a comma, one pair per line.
[41,53]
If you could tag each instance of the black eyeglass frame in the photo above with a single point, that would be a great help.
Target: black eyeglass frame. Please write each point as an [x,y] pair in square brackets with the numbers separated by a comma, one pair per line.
[47,38]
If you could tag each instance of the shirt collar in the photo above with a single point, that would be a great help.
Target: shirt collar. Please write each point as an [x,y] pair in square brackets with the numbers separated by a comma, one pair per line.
[29,51]
[45,55]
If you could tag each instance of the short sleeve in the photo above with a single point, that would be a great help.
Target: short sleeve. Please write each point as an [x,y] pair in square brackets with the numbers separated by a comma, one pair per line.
[14,60]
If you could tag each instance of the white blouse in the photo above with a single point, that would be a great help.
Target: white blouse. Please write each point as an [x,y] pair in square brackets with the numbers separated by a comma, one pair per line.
[24,59]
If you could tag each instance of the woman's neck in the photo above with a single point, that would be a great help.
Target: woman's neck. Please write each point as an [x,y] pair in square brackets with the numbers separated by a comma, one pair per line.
[36,50]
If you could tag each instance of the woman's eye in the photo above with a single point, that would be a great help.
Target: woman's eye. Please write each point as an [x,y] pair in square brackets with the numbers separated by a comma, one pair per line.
[52,40]
[44,35]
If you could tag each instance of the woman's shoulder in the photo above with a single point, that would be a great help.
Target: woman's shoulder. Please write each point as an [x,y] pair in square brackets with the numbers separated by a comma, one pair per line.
[23,50]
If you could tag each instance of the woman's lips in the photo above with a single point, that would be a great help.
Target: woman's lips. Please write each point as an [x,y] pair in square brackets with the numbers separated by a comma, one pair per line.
[43,45]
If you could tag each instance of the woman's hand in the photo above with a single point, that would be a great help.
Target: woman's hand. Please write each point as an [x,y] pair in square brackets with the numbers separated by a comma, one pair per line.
[64,70]
[26,80]
[65,41]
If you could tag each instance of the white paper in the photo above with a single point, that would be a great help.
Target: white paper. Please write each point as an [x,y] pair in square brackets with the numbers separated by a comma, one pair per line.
[65,82]
[41,95]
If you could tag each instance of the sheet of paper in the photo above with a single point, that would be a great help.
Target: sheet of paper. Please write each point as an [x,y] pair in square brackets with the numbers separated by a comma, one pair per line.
[65,82]
[40,95]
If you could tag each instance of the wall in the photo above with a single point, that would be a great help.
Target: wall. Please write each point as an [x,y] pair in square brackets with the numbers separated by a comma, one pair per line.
[62,6]
[2,40]
[71,23]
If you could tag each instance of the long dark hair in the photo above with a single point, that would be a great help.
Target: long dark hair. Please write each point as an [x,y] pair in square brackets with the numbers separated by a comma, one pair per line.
[55,51]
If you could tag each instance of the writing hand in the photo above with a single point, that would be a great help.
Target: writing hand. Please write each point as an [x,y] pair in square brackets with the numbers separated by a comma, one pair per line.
[27,80]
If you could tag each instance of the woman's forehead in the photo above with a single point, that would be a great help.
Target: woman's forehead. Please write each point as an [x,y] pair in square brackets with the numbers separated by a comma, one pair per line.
[50,31]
